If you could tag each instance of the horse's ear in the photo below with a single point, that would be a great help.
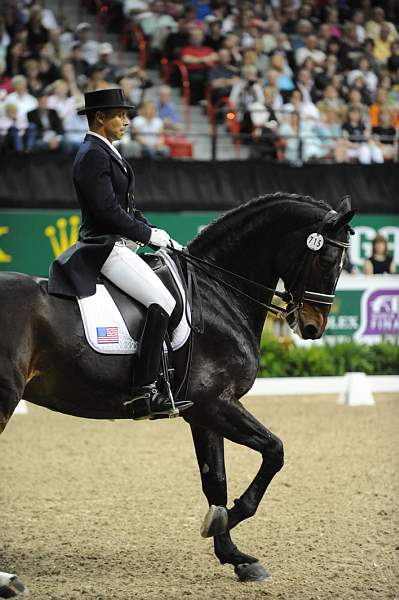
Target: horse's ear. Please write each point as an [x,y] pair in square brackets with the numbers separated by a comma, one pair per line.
[343,219]
[345,205]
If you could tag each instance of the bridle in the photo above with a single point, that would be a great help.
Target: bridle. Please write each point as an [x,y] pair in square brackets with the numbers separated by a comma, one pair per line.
[296,294]
[314,243]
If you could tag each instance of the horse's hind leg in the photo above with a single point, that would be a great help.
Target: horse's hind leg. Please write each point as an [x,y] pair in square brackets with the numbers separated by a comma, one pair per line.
[10,585]
[8,403]
[209,447]
[11,390]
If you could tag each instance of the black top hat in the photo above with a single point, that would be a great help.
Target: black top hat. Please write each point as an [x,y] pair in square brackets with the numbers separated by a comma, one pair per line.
[108,98]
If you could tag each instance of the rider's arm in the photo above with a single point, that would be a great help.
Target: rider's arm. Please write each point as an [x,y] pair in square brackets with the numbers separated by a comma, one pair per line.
[93,181]
[140,217]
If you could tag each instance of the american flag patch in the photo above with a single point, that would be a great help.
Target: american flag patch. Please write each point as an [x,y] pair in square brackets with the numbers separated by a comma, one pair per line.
[107,335]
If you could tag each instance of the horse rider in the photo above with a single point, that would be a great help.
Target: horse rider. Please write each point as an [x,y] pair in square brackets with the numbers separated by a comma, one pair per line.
[111,228]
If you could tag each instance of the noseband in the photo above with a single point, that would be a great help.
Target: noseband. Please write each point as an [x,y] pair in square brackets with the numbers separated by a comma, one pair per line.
[296,294]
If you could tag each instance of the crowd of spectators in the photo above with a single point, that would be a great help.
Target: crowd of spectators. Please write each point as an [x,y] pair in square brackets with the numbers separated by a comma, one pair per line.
[307,80]
[46,66]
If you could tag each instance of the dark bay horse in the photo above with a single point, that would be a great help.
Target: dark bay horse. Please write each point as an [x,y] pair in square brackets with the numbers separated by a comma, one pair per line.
[45,359]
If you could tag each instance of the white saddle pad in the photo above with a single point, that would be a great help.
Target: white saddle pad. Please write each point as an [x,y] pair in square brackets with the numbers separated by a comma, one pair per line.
[105,329]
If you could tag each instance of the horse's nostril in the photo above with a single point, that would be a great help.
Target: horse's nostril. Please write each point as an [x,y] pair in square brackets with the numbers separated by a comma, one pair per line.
[310,332]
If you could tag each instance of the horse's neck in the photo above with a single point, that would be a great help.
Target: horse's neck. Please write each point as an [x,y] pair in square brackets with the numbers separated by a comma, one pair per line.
[247,239]
[244,244]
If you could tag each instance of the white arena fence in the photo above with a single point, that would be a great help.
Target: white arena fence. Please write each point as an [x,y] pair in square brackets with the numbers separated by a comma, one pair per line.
[353,389]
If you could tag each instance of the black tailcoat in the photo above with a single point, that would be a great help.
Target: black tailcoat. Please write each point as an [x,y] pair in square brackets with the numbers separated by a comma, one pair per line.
[105,189]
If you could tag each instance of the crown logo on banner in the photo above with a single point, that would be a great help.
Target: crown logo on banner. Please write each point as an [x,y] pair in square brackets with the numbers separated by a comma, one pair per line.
[4,257]
[59,237]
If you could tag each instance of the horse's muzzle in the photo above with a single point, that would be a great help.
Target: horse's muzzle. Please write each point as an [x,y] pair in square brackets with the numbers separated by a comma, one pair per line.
[312,321]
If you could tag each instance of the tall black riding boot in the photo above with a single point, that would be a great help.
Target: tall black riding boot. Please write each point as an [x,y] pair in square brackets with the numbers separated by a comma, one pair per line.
[148,401]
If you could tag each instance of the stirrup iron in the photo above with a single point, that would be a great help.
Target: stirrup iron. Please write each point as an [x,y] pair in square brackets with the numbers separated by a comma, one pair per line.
[165,374]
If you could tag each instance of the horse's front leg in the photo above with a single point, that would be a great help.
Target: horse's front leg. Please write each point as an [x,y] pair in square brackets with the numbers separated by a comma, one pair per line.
[209,448]
[235,423]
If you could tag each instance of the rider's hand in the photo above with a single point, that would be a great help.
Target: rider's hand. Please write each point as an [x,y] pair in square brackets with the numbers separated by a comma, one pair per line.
[175,244]
[159,237]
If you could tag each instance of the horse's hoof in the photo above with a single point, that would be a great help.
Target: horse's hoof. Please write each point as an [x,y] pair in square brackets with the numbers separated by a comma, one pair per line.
[252,572]
[215,522]
[11,586]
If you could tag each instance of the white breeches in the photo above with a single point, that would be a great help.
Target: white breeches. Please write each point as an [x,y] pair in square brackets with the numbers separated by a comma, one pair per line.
[132,275]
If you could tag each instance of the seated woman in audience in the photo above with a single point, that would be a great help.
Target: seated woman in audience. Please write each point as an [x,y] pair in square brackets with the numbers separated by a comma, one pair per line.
[272,81]
[232,44]
[355,102]
[75,127]
[363,70]
[308,110]
[359,83]
[380,261]
[132,90]
[32,72]
[148,131]
[48,64]
[68,75]
[285,82]
[37,34]
[355,144]
[290,133]
[60,100]
[21,96]
[331,101]
[384,135]
[328,132]
[15,133]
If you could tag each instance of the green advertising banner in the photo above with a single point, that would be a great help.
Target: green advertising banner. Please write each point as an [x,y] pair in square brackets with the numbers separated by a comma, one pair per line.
[344,317]
[29,240]
[365,308]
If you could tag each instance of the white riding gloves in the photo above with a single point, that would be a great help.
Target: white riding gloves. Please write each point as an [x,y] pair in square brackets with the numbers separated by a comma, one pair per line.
[159,237]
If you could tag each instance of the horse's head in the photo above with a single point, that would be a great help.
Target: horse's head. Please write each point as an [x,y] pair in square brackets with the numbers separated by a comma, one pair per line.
[312,277]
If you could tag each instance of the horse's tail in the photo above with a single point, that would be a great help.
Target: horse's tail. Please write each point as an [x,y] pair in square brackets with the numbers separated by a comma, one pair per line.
[20,301]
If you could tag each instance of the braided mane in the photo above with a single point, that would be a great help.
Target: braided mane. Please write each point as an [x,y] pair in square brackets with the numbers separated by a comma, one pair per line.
[223,224]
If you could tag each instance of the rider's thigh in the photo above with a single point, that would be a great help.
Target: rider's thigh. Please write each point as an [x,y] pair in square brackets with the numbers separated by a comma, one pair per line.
[132,275]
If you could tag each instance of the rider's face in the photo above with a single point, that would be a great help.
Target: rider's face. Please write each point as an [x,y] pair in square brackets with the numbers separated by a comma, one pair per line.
[115,123]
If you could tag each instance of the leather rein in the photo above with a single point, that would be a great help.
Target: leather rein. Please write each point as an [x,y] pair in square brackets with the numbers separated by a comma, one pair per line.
[297,293]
